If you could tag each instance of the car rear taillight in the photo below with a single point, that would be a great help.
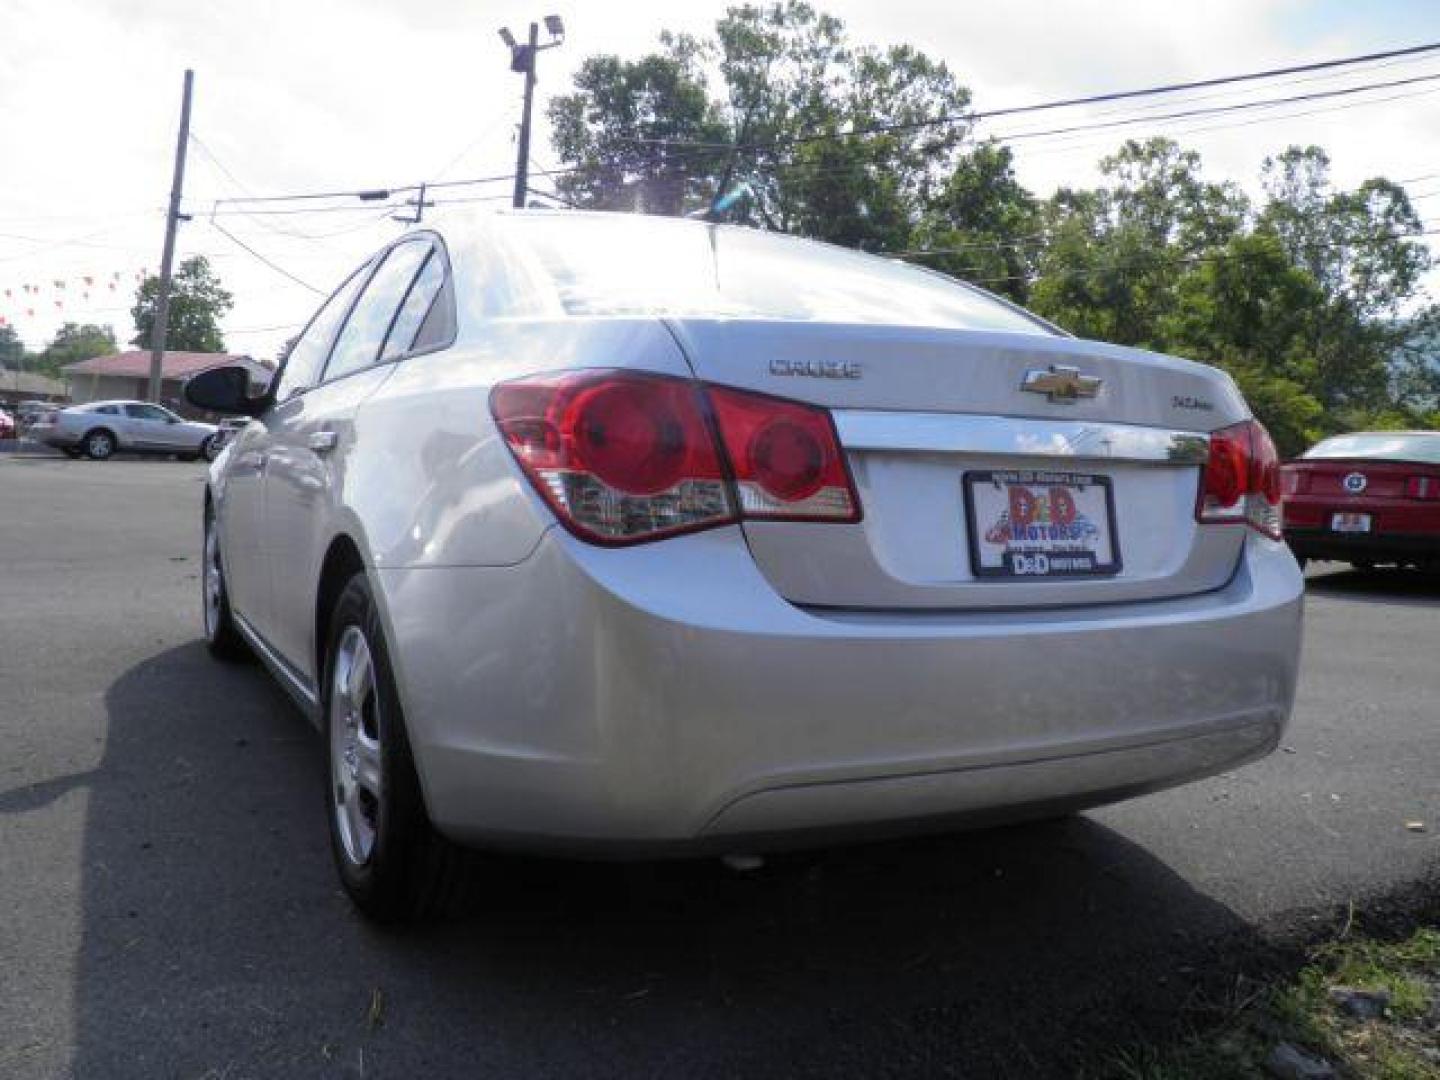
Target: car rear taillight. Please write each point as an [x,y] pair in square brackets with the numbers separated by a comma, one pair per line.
[1426,488]
[619,457]
[1240,484]
[785,458]
[623,457]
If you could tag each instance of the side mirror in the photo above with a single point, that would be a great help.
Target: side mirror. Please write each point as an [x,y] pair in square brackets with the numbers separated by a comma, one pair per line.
[225,389]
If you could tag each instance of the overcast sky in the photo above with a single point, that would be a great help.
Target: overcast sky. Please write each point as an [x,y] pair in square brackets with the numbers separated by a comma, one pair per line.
[303,95]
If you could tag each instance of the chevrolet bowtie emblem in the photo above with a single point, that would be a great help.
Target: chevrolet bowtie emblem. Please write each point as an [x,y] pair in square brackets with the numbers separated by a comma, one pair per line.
[1061,383]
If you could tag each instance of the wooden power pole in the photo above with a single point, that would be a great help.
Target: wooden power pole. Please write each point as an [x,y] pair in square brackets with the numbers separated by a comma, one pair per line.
[167,258]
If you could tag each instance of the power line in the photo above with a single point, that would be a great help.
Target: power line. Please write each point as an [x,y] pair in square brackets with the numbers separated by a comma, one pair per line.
[272,265]
[968,117]
[1092,99]
[1216,110]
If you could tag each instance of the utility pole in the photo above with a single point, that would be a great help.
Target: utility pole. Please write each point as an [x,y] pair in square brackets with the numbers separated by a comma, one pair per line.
[167,258]
[522,59]
[420,203]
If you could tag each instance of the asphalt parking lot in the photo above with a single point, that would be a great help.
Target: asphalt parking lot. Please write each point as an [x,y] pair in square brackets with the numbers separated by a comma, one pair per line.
[168,909]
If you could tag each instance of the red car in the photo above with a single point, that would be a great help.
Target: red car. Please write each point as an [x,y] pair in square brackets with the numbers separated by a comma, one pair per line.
[1366,498]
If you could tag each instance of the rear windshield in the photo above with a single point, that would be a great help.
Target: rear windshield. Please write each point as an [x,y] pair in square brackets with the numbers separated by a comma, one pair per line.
[1394,446]
[626,265]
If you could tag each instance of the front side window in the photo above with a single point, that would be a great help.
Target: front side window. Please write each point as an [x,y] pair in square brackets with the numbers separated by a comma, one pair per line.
[358,345]
[307,355]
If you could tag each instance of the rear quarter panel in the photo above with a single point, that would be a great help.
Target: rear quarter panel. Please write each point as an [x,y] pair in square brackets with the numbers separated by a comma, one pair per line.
[430,478]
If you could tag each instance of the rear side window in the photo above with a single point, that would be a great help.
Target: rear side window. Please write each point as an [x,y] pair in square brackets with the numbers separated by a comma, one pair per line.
[307,354]
[358,345]
[422,296]
[140,411]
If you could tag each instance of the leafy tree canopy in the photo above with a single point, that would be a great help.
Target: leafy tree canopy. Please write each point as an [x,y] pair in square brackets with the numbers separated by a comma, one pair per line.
[197,304]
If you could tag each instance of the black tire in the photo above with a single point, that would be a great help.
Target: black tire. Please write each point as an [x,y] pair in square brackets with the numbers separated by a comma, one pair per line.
[99,445]
[222,637]
[410,871]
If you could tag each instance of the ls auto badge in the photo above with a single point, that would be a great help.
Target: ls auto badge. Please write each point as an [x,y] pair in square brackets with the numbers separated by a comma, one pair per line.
[1061,383]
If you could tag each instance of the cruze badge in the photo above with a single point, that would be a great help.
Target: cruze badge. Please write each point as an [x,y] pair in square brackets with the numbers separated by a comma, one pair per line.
[1061,383]
[816,369]
[1355,483]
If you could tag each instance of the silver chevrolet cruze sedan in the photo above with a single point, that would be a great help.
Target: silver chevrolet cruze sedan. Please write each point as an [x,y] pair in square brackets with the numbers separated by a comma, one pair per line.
[602,534]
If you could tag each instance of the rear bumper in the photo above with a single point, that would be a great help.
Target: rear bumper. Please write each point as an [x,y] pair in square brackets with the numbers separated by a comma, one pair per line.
[1376,547]
[591,699]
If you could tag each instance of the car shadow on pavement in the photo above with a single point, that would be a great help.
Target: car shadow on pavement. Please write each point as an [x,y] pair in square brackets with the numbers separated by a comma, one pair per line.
[216,941]
[1391,586]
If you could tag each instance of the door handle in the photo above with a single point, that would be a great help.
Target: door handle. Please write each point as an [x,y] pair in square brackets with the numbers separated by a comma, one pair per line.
[322,442]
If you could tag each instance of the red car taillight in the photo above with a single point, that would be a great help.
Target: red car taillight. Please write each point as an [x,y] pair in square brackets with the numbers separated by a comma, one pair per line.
[1426,488]
[1240,484]
[624,457]
[785,458]
[1294,482]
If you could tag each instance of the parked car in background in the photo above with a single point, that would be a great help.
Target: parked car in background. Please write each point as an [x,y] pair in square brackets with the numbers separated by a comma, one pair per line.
[7,425]
[604,533]
[1368,498]
[101,428]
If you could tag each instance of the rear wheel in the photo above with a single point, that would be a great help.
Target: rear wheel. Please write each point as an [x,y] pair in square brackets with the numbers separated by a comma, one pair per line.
[221,635]
[99,445]
[392,862]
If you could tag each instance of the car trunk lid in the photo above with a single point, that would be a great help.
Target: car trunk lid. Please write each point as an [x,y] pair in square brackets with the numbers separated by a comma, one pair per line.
[938,435]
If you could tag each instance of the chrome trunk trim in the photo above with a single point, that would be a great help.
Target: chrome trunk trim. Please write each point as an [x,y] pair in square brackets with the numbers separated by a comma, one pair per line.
[1009,436]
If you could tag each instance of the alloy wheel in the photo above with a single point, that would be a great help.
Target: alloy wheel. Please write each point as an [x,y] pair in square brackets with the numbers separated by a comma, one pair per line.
[355,769]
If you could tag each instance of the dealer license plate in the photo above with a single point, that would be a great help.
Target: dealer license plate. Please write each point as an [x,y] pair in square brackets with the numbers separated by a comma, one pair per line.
[1029,523]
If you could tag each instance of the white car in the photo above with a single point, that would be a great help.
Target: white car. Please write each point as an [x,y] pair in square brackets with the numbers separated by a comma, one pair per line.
[604,534]
[99,429]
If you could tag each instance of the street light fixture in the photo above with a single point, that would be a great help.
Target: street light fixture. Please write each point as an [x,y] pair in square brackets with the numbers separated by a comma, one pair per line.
[522,61]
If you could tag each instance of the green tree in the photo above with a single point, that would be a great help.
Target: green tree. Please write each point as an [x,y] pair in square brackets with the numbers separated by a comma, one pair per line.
[824,137]
[197,304]
[1117,252]
[74,342]
[12,349]
[983,225]
[1250,310]
[1364,251]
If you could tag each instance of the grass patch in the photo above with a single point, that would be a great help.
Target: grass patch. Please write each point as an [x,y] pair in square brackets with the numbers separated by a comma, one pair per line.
[1401,1044]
